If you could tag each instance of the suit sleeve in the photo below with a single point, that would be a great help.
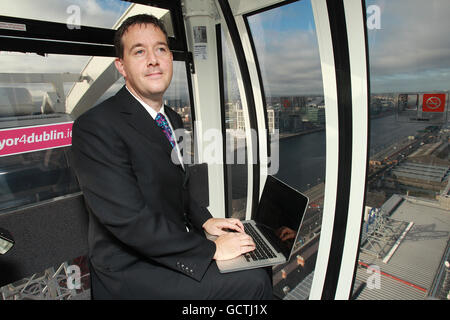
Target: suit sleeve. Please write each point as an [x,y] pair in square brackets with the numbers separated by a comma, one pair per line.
[198,215]
[101,161]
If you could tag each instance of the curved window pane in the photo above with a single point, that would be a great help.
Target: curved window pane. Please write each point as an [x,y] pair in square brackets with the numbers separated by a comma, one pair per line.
[33,95]
[41,91]
[236,126]
[44,90]
[406,227]
[288,55]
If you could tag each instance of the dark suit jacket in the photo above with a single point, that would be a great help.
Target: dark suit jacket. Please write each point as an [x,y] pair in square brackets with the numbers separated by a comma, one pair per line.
[137,198]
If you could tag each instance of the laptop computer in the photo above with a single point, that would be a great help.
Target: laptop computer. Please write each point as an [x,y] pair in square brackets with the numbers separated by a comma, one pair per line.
[274,230]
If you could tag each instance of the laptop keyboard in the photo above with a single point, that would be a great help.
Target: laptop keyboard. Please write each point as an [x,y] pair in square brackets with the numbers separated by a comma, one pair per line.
[262,250]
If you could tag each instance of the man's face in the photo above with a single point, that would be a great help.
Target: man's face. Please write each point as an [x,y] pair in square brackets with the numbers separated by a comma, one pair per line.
[147,62]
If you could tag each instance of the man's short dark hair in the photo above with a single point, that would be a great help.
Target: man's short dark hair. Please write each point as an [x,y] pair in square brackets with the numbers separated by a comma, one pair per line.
[131,21]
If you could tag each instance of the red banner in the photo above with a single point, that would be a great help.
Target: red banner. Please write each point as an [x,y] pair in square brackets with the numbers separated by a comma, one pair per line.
[433,102]
[27,139]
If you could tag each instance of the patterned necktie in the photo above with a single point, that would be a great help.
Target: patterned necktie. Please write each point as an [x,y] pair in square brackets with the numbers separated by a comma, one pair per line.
[161,121]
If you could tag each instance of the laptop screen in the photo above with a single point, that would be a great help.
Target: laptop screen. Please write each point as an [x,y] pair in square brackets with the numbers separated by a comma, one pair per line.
[279,214]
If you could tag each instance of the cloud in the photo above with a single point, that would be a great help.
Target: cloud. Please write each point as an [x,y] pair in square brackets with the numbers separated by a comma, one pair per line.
[96,13]
[411,51]
[289,62]
[412,48]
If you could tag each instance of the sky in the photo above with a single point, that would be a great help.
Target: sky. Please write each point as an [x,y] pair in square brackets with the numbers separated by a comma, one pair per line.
[96,13]
[287,50]
[409,52]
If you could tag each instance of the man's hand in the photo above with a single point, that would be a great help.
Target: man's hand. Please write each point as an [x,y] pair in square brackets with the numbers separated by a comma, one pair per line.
[219,226]
[285,233]
[230,245]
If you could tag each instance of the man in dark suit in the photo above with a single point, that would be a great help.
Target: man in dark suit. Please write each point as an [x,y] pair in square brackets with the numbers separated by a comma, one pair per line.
[139,244]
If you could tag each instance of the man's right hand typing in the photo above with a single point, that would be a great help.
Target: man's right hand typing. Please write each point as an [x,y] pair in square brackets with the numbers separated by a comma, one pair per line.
[232,244]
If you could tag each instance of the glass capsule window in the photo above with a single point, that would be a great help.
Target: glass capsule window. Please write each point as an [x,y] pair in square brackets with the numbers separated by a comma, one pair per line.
[406,226]
[236,129]
[287,51]
[40,92]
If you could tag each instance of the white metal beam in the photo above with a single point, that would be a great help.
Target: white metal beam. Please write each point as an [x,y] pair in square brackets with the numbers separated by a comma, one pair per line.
[358,67]
[332,144]
[241,7]
[205,83]
[261,124]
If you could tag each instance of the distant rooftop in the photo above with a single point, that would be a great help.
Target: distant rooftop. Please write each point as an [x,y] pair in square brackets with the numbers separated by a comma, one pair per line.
[410,272]
[429,173]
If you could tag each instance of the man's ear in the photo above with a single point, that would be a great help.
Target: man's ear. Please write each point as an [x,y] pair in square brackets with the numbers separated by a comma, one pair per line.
[119,66]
